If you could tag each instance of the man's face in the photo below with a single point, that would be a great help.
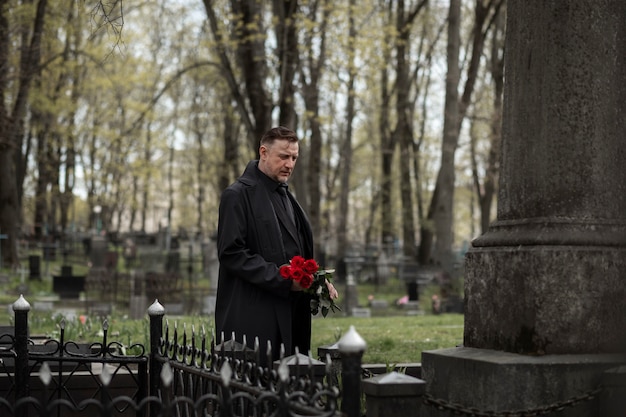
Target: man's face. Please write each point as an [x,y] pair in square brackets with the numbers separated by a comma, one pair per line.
[278,160]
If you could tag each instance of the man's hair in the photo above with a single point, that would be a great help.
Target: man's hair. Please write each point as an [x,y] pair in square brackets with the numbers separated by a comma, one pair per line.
[279,132]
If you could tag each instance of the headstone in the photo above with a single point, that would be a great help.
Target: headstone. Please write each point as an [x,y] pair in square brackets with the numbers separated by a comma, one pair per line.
[49,251]
[361,312]
[351,298]
[43,305]
[66,270]
[138,306]
[98,251]
[34,267]
[173,262]
[68,287]
[101,310]
[175,309]
[379,304]
[411,288]
[545,289]
[208,305]
[382,268]
[110,260]
[211,267]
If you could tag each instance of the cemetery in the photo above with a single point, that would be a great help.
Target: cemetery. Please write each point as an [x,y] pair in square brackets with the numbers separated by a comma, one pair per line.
[541,293]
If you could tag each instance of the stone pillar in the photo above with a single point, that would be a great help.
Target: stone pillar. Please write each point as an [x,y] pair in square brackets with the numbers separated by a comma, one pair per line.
[545,287]
[550,274]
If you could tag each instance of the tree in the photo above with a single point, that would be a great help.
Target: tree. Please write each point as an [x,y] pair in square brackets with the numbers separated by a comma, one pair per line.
[12,121]
[441,208]
[312,66]
[487,190]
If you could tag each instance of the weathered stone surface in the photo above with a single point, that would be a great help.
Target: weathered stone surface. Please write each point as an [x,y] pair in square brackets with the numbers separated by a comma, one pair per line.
[550,274]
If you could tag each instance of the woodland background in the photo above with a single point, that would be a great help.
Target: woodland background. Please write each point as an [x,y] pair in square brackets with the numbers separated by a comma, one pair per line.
[148,109]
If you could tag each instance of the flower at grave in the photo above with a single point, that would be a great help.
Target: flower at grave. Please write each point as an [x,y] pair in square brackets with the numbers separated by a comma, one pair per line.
[314,280]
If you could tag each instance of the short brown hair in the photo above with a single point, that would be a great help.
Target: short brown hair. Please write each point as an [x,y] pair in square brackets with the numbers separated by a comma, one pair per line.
[279,132]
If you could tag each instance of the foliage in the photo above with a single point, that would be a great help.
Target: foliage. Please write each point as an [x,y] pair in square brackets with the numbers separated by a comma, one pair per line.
[142,120]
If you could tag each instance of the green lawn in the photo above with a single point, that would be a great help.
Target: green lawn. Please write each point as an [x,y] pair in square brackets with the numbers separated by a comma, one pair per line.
[393,339]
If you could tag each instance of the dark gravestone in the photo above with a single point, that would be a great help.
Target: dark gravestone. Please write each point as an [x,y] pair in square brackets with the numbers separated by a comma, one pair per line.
[110,261]
[98,252]
[173,262]
[412,290]
[49,251]
[34,267]
[408,272]
[67,285]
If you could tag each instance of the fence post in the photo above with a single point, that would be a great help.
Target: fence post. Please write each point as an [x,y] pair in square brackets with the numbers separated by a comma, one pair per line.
[351,346]
[394,394]
[156,312]
[330,354]
[21,307]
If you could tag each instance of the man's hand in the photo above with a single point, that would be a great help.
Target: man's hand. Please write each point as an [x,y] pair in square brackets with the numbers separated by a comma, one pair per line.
[332,291]
[295,286]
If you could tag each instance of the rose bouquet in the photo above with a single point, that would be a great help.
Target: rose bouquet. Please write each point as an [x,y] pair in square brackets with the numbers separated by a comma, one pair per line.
[313,279]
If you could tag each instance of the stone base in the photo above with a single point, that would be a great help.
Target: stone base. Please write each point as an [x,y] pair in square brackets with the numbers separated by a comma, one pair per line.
[546,299]
[494,381]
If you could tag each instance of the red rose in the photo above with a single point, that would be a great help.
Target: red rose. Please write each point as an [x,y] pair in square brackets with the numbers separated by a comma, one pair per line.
[285,271]
[306,281]
[297,261]
[310,266]
[297,274]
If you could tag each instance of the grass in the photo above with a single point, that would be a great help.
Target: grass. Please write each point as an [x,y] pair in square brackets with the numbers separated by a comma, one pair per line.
[391,335]
[389,339]
[393,339]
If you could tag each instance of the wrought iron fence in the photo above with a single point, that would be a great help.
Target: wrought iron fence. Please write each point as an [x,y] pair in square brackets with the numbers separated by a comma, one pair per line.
[181,375]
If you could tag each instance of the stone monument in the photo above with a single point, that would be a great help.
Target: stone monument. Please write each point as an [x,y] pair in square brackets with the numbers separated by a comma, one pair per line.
[545,287]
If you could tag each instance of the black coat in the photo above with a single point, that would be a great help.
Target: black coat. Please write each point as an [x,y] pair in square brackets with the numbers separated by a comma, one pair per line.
[252,298]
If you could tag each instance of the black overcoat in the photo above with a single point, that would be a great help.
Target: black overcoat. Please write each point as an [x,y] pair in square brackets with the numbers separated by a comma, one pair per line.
[252,298]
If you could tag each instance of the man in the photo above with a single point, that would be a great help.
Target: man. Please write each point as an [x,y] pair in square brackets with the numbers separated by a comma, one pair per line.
[261,227]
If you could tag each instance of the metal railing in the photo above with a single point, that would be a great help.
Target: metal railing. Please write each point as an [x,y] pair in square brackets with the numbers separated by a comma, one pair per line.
[182,374]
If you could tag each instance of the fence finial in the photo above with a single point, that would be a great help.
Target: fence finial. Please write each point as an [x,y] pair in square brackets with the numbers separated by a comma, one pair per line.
[352,342]
[156,309]
[21,304]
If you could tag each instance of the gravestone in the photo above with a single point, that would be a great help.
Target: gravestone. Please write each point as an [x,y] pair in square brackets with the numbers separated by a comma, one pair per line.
[362,312]
[34,267]
[67,285]
[545,285]
[98,252]
[211,266]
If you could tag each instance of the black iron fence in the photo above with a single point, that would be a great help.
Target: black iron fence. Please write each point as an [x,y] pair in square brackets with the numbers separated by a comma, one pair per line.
[182,374]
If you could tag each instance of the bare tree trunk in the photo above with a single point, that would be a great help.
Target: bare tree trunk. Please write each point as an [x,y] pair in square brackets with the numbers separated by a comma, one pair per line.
[251,61]
[145,194]
[11,128]
[346,148]
[287,53]
[404,127]
[440,211]
[311,70]
[387,144]
[492,170]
